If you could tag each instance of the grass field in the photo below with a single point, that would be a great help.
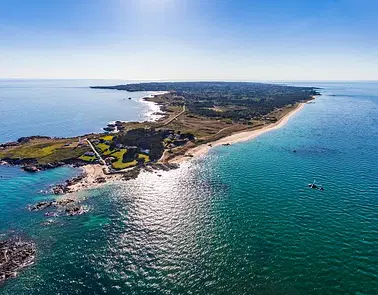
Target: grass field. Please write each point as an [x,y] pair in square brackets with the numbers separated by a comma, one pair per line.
[144,157]
[120,165]
[103,147]
[88,158]
[119,154]
[44,151]
[107,137]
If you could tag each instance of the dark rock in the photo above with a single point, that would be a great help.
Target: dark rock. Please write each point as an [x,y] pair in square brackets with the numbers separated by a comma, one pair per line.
[29,138]
[131,174]
[9,144]
[41,205]
[15,254]
[100,180]
[30,168]
[53,203]
[109,128]
[76,210]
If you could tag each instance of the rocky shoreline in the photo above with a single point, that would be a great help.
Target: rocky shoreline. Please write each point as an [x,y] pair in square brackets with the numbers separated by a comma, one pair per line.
[67,206]
[94,176]
[30,165]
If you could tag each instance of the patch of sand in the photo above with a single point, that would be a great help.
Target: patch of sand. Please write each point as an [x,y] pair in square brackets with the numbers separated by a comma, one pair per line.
[237,137]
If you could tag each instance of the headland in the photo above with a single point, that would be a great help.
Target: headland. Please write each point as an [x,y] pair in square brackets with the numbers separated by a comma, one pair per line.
[195,116]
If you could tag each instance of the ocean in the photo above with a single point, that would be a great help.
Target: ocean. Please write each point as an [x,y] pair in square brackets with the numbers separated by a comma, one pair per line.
[240,220]
[66,108]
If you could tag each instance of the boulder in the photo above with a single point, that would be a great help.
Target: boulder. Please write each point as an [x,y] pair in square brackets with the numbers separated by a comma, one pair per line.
[30,168]
[15,254]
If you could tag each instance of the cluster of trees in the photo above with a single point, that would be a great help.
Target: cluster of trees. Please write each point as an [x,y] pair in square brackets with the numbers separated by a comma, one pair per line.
[239,100]
[143,139]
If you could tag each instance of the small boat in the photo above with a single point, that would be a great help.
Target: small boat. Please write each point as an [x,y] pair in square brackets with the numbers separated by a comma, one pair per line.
[314,186]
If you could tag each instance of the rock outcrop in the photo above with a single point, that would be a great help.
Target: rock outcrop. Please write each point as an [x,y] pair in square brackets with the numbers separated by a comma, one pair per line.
[15,254]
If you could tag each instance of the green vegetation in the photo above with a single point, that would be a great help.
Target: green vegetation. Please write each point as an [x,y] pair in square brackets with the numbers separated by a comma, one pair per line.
[44,151]
[119,154]
[121,165]
[107,137]
[142,138]
[88,158]
[196,113]
[236,100]
[119,162]
[38,150]
[144,157]
[103,147]
[107,152]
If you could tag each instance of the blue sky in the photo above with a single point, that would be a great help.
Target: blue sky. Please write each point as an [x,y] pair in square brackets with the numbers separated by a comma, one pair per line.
[189,39]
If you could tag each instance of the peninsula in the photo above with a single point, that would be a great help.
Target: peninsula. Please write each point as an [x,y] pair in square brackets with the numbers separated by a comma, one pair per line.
[196,116]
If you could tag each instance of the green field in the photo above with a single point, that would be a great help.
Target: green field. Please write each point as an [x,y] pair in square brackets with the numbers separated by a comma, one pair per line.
[120,165]
[144,157]
[103,147]
[44,151]
[107,137]
[88,158]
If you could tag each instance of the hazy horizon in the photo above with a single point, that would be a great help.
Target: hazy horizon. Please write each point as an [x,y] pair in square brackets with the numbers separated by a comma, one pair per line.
[167,40]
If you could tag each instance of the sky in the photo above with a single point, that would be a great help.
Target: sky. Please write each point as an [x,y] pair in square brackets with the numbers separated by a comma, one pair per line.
[245,40]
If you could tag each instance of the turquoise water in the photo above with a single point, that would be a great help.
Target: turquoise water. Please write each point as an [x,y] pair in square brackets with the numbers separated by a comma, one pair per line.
[240,220]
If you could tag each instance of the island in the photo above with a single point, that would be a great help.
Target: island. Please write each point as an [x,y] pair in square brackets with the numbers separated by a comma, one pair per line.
[196,117]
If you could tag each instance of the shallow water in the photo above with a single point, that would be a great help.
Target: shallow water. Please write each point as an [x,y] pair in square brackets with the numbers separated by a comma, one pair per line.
[240,220]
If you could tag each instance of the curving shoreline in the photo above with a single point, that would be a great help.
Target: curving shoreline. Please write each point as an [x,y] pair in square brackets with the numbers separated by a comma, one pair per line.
[242,136]
[94,172]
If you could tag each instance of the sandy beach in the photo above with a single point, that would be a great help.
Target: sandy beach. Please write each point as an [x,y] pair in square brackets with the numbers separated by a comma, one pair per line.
[237,137]
[94,172]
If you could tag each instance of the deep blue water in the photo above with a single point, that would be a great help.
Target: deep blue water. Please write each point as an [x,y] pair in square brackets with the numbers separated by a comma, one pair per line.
[240,220]
[64,107]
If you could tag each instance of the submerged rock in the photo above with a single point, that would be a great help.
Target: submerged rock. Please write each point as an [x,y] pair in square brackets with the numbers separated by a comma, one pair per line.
[76,210]
[41,205]
[47,204]
[15,254]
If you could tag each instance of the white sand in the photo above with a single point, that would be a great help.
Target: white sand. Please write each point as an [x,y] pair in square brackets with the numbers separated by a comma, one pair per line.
[237,137]
[95,171]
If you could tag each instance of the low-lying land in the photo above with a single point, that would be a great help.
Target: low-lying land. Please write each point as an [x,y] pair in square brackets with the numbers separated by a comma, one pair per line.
[196,113]
[196,116]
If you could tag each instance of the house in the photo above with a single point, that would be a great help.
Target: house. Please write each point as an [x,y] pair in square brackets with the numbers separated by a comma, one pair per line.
[145,151]
[89,154]
[109,160]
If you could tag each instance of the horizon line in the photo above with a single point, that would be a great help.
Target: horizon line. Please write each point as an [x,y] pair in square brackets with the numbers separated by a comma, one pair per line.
[198,80]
